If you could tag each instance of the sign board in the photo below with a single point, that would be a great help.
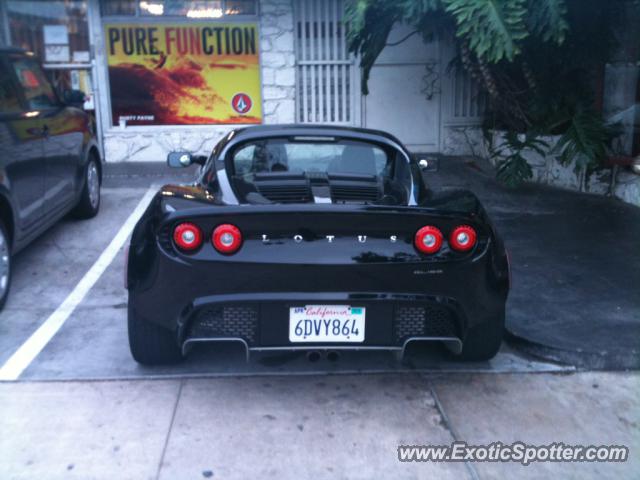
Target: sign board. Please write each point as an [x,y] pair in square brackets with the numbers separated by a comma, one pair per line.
[81,56]
[55,34]
[184,73]
[56,53]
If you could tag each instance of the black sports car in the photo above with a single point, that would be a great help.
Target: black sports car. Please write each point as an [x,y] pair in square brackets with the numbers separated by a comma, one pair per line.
[314,238]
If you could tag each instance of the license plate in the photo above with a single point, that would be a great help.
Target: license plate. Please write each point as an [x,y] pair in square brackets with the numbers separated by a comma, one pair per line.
[326,323]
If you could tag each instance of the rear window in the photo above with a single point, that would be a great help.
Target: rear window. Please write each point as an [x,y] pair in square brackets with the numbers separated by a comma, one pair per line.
[337,157]
[319,170]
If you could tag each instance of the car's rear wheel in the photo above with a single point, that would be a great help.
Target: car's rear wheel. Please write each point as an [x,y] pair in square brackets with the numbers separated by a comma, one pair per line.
[151,344]
[5,264]
[89,203]
[483,341]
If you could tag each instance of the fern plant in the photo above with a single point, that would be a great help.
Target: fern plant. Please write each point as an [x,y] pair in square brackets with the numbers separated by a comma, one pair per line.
[584,141]
[511,166]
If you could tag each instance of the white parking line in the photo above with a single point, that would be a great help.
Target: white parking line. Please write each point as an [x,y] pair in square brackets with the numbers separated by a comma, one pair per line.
[29,350]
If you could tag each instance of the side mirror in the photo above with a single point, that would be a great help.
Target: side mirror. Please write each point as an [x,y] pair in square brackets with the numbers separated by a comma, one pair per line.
[427,163]
[184,159]
[75,98]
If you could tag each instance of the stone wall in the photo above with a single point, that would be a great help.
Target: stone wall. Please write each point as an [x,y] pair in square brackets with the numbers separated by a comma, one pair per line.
[277,56]
[277,60]
[547,170]
[463,140]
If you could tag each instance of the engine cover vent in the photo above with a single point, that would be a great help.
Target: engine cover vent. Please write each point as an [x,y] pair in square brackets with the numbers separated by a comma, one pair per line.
[355,193]
[286,193]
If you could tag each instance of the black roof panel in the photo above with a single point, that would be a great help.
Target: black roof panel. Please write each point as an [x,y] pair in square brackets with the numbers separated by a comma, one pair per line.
[311,129]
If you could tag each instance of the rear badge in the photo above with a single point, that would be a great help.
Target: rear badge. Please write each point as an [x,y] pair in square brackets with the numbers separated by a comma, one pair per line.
[330,238]
[435,271]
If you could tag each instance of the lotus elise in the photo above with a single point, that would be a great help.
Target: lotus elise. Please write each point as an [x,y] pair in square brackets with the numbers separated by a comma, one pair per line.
[314,238]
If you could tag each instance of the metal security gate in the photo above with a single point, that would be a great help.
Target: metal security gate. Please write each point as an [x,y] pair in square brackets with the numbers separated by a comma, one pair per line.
[325,70]
[468,102]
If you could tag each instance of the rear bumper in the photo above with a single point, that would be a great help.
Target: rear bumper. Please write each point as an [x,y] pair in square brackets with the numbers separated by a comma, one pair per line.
[262,321]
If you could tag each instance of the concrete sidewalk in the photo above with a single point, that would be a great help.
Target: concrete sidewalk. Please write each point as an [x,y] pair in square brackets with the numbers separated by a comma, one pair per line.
[339,426]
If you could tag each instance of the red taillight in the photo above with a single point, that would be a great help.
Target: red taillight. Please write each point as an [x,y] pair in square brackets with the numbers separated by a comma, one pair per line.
[187,236]
[463,238]
[226,238]
[428,239]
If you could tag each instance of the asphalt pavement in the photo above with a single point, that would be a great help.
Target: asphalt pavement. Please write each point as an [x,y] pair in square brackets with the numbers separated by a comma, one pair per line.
[575,263]
[91,343]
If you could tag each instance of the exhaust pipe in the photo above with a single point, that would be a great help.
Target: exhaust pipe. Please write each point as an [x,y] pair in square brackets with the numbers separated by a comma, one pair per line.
[313,356]
[333,356]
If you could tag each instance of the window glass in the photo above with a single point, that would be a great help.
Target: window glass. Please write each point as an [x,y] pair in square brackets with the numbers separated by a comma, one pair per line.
[56,31]
[9,102]
[153,8]
[179,8]
[192,9]
[243,159]
[117,7]
[37,89]
[282,155]
[240,7]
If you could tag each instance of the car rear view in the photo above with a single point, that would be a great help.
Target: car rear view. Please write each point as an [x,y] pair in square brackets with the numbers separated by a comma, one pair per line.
[301,238]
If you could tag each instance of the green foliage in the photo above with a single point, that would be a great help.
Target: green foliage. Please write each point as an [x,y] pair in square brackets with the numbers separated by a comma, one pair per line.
[494,30]
[491,28]
[512,167]
[370,22]
[584,141]
[417,8]
[548,20]
[534,59]
[368,32]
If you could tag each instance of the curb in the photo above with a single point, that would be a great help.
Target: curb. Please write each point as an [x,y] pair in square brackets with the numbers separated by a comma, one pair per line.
[614,361]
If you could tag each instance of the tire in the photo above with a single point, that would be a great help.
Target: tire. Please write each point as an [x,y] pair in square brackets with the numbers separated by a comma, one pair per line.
[482,341]
[151,344]
[5,264]
[89,203]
